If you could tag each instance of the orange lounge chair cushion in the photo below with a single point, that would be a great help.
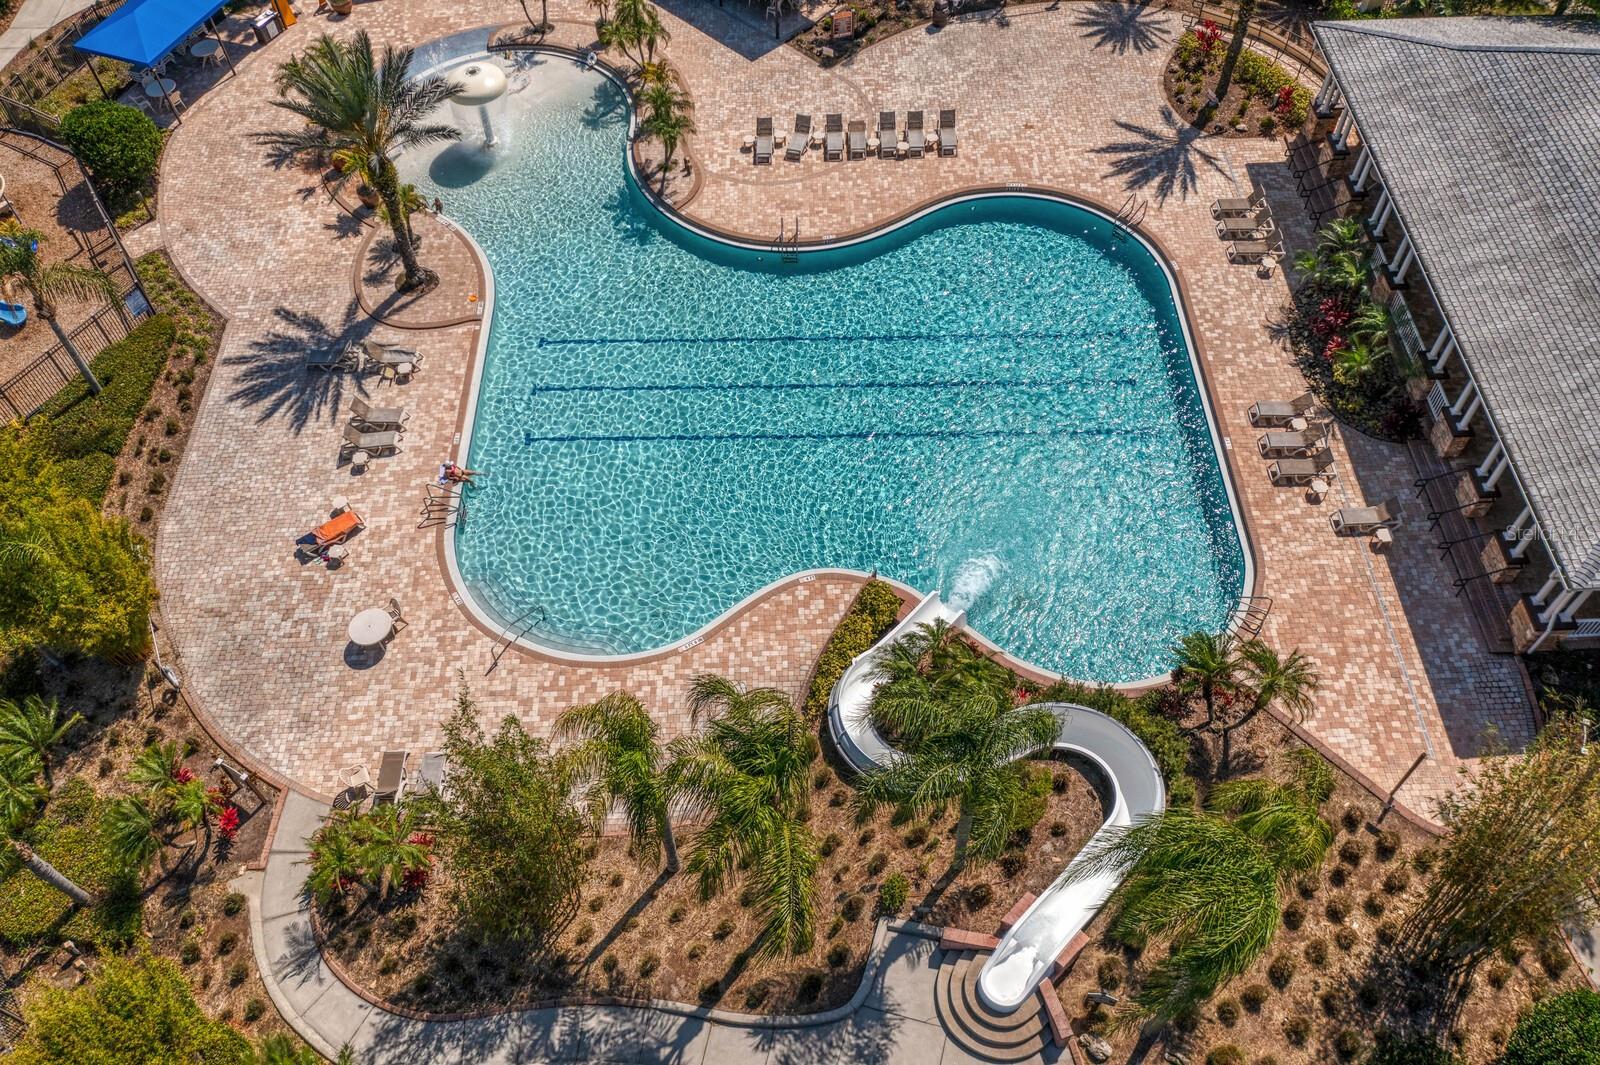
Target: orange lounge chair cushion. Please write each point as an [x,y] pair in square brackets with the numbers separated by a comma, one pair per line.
[336,529]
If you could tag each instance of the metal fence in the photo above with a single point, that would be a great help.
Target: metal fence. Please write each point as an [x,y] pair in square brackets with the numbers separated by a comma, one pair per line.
[49,60]
[25,392]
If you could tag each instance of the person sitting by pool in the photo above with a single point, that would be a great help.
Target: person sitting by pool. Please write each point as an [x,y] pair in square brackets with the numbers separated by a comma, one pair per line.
[450,473]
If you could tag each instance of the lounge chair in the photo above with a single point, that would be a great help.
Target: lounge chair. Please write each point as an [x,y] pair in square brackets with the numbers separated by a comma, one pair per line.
[858,139]
[334,531]
[430,775]
[391,777]
[1238,205]
[1353,521]
[916,140]
[1253,251]
[1301,471]
[349,358]
[1304,443]
[888,138]
[359,440]
[390,354]
[1270,412]
[800,139]
[1246,227]
[833,138]
[763,152]
[367,417]
[947,132]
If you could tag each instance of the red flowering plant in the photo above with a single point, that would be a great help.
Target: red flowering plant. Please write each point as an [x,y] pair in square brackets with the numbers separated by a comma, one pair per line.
[1285,102]
[1333,314]
[1333,347]
[182,774]
[228,824]
[1209,35]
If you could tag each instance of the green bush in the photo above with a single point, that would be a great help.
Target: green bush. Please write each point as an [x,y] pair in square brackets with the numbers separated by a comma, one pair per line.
[1188,50]
[1563,1030]
[1035,797]
[894,892]
[119,145]
[870,616]
[85,433]
[1256,71]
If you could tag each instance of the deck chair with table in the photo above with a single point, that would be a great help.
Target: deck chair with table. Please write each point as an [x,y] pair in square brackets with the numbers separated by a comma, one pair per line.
[888,138]
[916,139]
[858,139]
[947,132]
[763,149]
[799,140]
[833,138]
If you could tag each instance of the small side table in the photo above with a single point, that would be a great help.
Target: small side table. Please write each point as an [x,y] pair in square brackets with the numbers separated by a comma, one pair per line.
[1297,425]
[749,142]
[872,144]
[340,505]
[335,555]
[1319,489]
[359,460]
[1382,537]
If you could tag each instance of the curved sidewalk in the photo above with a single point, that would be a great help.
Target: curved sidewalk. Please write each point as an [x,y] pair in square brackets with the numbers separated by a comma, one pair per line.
[891,1020]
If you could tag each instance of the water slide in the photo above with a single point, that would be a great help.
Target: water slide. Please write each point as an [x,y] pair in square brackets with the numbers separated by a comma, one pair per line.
[1025,955]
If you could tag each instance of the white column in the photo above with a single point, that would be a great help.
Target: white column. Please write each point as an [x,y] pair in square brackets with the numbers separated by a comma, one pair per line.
[1362,171]
[1439,354]
[1326,93]
[1545,589]
[1557,605]
[1524,540]
[1498,472]
[1468,391]
[1380,212]
[1403,257]
[1472,409]
[1490,460]
[1571,610]
[1341,129]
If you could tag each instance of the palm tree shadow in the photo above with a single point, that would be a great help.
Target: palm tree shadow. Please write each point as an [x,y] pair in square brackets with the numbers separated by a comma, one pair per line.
[1164,159]
[1123,28]
[638,906]
[274,376]
[606,110]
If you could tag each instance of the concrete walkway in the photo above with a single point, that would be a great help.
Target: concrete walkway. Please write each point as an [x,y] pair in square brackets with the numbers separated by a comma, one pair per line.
[34,18]
[891,1020]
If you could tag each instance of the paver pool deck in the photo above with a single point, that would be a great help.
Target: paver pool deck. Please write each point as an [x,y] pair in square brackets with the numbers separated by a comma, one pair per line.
[1046,96]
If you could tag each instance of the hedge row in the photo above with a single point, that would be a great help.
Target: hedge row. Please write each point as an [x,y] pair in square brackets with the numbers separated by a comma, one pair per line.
[872,615]
[86,433]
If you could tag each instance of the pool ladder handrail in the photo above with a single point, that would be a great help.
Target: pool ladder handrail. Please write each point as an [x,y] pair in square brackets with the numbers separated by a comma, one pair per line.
[1250,613]
[788,244]
[1130,214]
[513,632]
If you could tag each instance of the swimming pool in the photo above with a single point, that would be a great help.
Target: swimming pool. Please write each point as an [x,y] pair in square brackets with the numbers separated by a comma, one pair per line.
[995,401]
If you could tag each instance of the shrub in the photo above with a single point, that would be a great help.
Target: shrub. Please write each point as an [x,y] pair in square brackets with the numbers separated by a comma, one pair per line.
[894,892]
[1347,1044]
[119,146]
[1297,1029]
[677,914]
[1345,938]
[1351,851]
[723,930]
[756,995]
[1109,973]
[1387,933]
[1281,971]
[609,964]
[1554,958]
[838,956]
[917,836]
[1226,1054]
[979,896]
[226,942]
[1388,844]
[1257,72]
[1187,50]
[829,844]
[1396,880]
[1012,862]
[648,966]
[1034,800]
[1498,975]
[711,990]
[1423,861]
[1352,817]
[869,617]
[1294,915]
[1395,1049]
[822,778]
[1228,1012]
[1254,996]
[877,863]
[810,987]
[237,972]
[1316,951]
[583,933]
[1561,1030]
[1058,829]
[851,910]
[233,903]
[254,1010]
[1337,909]
[1373,904]
[1369,994]
[695,952]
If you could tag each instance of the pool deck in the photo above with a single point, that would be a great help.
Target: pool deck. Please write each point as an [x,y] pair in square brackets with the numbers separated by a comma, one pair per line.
[1065,97]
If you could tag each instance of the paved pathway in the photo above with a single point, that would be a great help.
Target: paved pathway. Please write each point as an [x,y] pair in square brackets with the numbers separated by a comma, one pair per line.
[891,1021]
[34,18]
[1045,97]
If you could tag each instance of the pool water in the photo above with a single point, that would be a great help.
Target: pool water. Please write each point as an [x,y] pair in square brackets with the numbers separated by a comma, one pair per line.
[995,402]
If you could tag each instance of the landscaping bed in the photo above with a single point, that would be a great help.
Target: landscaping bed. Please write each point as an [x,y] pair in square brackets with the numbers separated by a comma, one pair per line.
[1263,99]
[625,942]
[870,21]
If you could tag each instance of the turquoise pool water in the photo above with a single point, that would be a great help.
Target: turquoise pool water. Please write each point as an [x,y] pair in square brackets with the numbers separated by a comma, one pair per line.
[995,402]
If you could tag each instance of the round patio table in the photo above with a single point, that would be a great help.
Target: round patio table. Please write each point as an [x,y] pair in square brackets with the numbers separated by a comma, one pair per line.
[204,49]
[159,87]
[371,627]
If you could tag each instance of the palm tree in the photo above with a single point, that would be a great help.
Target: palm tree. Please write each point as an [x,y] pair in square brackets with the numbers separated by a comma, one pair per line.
[134,834]
[193,805]
[48,283]
[1209,882]
[667,118]
[543,25]
[369,110]
[1340,236]
[155,767]
[34,725]
[1356,360]
[1289,683]
[335,864]
[49,873]
[1372,323]
[20,790]
[745,776]
[1208,663]
[1243,14]
[952,714]
[620,758]
[384,848]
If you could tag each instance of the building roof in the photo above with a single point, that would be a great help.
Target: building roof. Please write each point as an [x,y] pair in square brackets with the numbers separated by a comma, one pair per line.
[1486,133]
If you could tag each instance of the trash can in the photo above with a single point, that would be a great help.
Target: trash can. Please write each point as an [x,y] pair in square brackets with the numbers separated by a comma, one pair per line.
[268,25]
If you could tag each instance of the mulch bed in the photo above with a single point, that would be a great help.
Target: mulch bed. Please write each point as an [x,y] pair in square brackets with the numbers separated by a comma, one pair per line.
[673,945]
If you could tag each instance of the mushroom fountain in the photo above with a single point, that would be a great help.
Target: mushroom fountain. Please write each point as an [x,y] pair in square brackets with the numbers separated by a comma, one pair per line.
[480,83]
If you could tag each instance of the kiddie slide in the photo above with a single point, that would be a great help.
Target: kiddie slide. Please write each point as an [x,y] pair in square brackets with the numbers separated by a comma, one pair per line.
[1024,956]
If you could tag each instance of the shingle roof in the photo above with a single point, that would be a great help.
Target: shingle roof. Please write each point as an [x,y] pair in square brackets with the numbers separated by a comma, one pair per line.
[1486,132]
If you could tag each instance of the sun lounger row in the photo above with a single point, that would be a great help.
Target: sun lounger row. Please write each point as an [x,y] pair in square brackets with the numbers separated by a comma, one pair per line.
[1304,459]
[1246,223]
[392,360]
[888,139]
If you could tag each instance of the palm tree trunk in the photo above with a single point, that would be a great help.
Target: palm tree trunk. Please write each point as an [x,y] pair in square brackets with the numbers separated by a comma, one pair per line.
[387,181]
[50,874]
[671,845]
[1241,28]
[1208,692]
[72,351]
[963,830]
[44,763]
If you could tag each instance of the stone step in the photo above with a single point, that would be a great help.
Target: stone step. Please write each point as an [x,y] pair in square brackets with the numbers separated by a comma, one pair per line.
[1025,1017]
[1022,1039]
